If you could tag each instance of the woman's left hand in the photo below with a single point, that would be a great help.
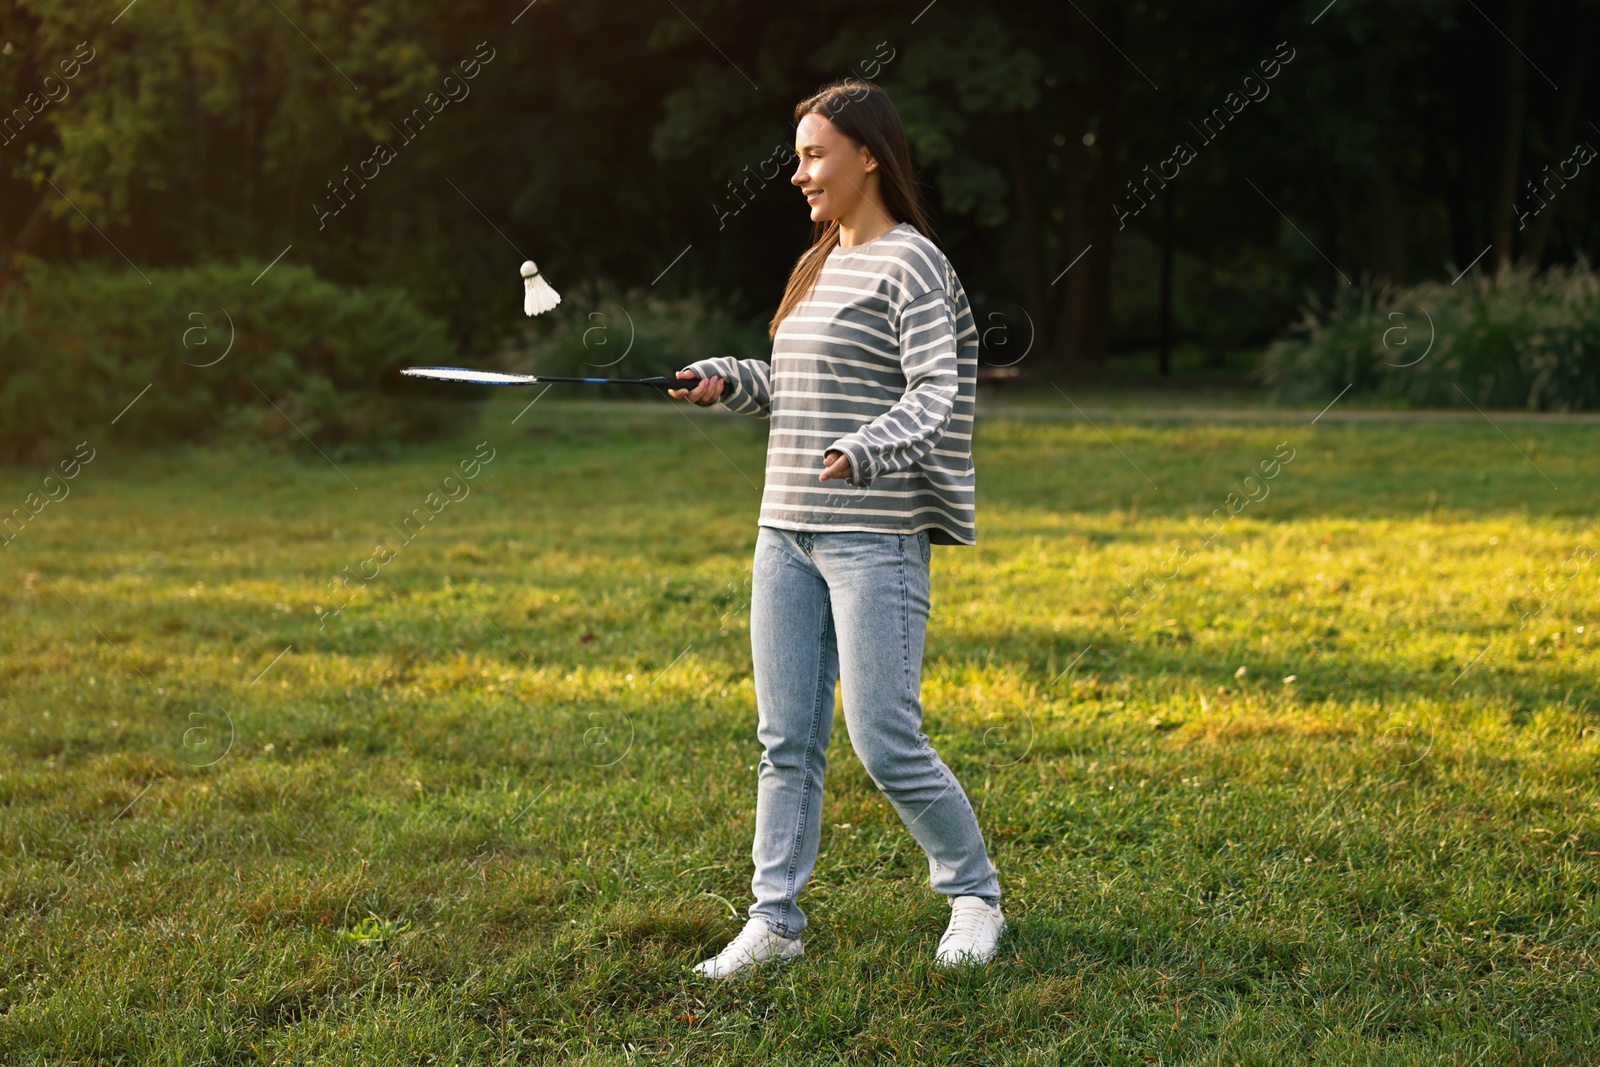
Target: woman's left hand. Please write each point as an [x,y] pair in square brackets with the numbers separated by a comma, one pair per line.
[838,465]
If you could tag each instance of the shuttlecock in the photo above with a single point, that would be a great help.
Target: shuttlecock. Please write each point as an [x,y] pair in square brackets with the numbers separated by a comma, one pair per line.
[537,296]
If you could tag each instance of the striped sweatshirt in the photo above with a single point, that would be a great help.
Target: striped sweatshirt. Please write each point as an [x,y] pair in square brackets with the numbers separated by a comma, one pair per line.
[879,361]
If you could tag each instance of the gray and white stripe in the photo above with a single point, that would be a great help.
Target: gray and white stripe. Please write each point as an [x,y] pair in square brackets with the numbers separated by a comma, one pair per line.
[880,362]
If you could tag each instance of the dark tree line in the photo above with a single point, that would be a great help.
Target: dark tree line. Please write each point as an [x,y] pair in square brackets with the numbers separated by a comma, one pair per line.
[1071,153]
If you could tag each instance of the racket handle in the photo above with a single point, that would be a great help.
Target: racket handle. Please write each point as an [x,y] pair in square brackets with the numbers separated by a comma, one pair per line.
[664,384]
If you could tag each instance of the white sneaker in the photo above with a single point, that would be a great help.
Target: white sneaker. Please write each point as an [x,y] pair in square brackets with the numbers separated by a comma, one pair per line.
[973,934]
[756,942]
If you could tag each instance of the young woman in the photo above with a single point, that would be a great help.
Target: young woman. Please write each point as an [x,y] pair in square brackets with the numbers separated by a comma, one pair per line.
[870,386]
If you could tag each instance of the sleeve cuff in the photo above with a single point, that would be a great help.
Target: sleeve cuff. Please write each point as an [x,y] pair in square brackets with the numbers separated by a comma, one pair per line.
[705,368]
[861,472]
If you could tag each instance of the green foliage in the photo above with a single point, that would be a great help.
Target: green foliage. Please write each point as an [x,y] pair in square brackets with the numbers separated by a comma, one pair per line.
[1517,339]
[223,350]
[602,330]
[135,125]
[223,128]
[373,930]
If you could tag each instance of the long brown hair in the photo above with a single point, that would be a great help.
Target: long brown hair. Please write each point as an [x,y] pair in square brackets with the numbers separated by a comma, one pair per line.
[863,112]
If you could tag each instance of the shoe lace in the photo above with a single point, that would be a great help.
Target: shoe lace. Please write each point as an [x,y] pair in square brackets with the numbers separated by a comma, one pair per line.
[966,922]
[754,932]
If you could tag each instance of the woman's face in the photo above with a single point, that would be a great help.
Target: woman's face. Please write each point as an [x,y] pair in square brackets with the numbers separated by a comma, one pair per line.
[831,168]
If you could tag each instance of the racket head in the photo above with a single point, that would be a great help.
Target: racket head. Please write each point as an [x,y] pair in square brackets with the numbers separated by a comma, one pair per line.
[469,375]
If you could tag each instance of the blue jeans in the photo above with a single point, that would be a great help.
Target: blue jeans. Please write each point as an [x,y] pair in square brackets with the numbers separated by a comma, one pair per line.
[813,595]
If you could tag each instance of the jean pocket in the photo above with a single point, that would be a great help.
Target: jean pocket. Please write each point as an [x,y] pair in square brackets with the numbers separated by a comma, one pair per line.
[925,545]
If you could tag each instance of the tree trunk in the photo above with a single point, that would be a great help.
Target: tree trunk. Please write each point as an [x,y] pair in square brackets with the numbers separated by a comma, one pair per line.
[1511,152]
[1030,227]
[1539,239]
[250,156]
[1458,202]
[201,196]
[1071,295]
[33,232]
[1085,317]
[1103,189]
[1165,363]
[1386,220]
[1344,233]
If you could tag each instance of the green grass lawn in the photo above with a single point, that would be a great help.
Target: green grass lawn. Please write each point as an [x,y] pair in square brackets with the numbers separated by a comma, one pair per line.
[1314,785]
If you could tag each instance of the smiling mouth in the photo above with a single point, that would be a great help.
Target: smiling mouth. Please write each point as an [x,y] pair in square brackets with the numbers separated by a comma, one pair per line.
[813,197]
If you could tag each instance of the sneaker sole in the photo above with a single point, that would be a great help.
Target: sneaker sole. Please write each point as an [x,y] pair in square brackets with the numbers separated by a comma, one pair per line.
[779,958]
[969,960]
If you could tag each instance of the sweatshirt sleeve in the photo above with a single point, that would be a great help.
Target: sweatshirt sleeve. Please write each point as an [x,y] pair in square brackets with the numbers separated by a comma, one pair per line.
[746,383]
[898,439]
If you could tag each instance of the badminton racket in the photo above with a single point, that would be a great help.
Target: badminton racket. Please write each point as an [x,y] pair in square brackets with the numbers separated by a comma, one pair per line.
[538,297]
[494,377]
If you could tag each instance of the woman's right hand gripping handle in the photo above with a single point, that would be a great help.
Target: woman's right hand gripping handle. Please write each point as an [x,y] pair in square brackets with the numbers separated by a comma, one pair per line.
[705,393]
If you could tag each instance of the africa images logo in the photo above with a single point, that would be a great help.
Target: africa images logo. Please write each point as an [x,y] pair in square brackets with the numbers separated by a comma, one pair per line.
[455,89]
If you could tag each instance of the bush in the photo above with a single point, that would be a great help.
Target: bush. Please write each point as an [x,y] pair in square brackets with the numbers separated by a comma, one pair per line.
[1516,339]
[600,331]
[224,350]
